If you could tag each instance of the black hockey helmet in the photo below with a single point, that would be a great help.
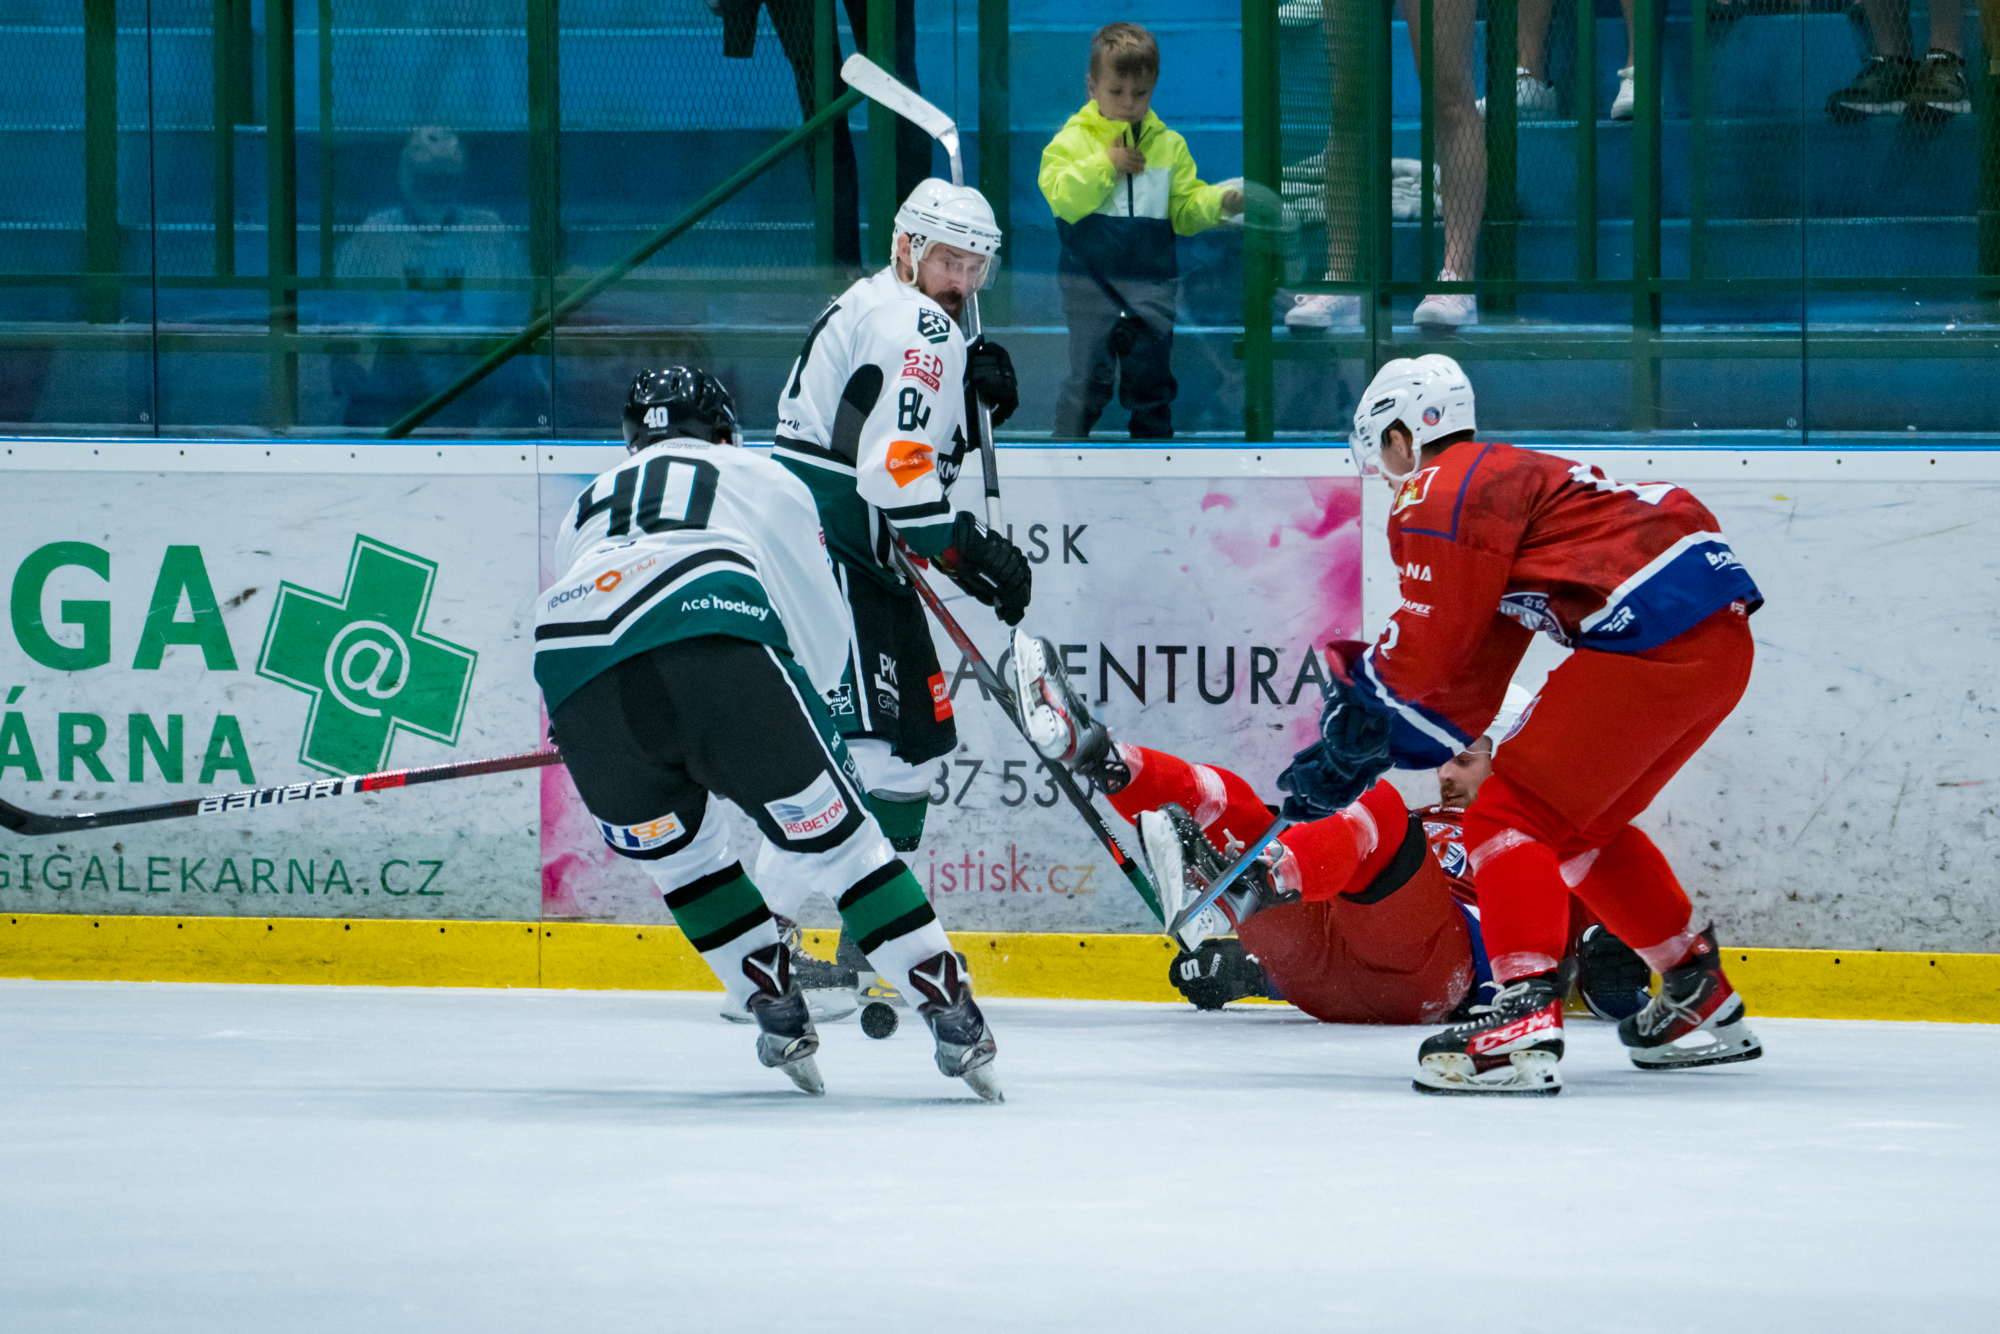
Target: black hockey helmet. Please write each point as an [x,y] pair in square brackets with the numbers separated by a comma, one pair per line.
[679,401]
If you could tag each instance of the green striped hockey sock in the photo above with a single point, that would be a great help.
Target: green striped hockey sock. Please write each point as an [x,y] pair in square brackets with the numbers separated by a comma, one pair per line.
[888,917]
[901,819]
[725,919]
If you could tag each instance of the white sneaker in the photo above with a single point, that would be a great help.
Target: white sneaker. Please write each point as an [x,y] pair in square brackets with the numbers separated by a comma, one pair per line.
[1533,99]
[1323,310]
[1621,105]
[1447,310]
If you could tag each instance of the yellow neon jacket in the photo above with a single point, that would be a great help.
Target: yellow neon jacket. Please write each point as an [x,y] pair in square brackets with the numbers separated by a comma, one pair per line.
[1123,226]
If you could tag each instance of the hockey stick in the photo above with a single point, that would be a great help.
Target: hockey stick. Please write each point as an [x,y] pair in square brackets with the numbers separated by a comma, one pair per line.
[866,77]
[990,680]
[31,823]
[1278,825]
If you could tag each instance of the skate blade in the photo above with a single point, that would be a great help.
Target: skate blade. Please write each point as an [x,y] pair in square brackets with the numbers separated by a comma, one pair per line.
[804,1072]
[831,1004]
[1733,1042]
[983,1081]
[1529,1074]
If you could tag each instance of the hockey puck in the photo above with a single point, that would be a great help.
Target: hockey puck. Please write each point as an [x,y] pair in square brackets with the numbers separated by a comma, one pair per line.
[878,1020]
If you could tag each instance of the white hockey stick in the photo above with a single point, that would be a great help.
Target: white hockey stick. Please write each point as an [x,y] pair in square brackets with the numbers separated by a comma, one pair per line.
[869,79]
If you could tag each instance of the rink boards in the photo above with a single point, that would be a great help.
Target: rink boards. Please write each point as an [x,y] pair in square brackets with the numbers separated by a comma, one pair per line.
[576,956]
[191,617]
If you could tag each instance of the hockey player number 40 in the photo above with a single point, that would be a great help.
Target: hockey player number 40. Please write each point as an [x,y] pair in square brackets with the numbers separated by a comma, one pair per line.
[672,493]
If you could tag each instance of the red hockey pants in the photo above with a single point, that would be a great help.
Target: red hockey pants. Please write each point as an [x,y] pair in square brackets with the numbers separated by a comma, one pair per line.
[1599,742]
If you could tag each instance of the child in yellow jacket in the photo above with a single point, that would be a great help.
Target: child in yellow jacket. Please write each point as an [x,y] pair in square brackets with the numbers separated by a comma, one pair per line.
[1122,185]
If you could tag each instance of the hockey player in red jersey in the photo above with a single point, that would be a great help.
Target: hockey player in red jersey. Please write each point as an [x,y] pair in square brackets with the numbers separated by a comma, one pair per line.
[1367,915]
[1493,543]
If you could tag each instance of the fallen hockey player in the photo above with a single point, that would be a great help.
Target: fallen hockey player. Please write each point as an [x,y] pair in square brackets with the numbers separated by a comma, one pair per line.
[684,654]
[1368,916]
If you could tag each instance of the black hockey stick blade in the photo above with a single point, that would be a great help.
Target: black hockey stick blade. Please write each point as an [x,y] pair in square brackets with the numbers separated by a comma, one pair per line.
[1065,784]
[32,823]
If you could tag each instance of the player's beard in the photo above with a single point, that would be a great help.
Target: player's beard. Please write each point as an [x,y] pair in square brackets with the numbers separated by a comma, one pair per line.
[952,300]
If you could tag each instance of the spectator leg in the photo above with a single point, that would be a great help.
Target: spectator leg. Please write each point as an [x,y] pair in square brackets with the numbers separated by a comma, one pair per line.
[793,22]
[1091,316]
[1348,78]
[1461,130]
[1146,383]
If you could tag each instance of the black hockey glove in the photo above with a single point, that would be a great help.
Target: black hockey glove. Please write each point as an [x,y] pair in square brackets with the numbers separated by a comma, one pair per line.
[1218,973]
[1352,752]
[989,373]
[989,567]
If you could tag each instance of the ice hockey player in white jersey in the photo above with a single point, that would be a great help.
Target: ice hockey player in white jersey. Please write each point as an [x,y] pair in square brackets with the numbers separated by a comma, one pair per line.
[685,653]
[874,418]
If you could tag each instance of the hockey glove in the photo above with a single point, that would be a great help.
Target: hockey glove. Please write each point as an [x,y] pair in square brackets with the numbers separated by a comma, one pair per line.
[989,567]
[989,373]
[1352,752]
[1218,973]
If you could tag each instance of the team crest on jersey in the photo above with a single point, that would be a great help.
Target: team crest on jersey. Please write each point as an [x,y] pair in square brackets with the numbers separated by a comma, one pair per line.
[1532,611]
[1413,491]
[840,701]
[933,326]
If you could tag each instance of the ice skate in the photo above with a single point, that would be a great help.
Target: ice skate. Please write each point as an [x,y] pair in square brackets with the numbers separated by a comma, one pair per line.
[786,1039]
[965,1048]
[1185,864]
[1511,1049]
[1612,980]
[1058,722]
[1697,1019]
[831,988]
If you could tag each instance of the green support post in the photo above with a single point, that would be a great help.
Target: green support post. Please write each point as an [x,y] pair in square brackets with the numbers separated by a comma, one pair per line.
[1260,167]
[227,115]
[1499,238]
[100,159]
[826,87]
[326,139]
[1426,140]
[882,199]
[282,212]
[996,141]
[544,137]
[1646,215]
[1583,95]
[1698,143]
[1987,85]
[1382,265]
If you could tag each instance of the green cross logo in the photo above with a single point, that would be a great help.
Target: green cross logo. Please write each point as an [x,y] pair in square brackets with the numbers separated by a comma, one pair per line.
[366,662]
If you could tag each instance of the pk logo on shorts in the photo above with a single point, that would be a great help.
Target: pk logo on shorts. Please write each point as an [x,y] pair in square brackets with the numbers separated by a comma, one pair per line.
[366,662]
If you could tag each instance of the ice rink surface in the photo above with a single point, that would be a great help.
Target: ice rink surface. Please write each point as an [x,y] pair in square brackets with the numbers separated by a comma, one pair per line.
[357,1159]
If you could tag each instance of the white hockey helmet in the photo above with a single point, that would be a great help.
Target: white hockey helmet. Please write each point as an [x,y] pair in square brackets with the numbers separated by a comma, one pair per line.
[954,215]
[1511,708]
[1427,396]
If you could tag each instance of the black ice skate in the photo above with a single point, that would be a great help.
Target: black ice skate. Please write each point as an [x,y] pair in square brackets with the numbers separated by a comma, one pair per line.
[1185,864]
[1058,722]
[1511,1049]
[1697,1019]
[786,1039]
[1612,980]
[1218,973]
[964,1048]
[831,988]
